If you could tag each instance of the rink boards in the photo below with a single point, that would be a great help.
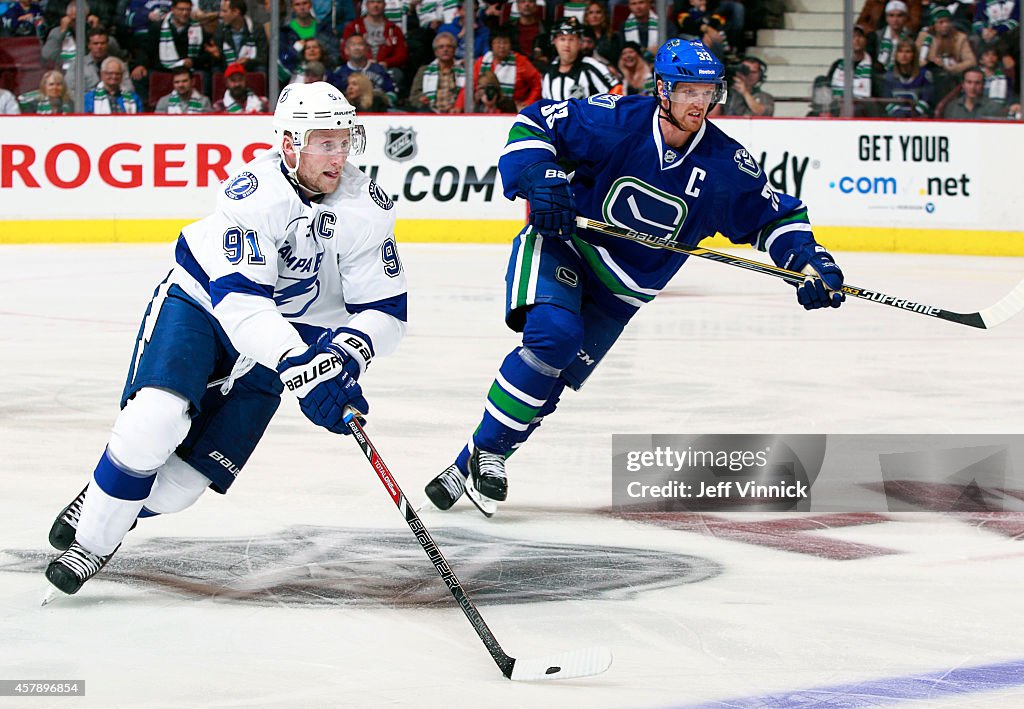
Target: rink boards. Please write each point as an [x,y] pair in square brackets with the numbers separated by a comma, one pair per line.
[927,187]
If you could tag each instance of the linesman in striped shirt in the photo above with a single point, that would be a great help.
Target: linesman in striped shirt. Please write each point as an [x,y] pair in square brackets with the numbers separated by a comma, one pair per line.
[573,75]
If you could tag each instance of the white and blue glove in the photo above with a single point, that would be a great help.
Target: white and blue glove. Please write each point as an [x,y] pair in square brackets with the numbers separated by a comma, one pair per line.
[323,377]
[552,205]
[822,292]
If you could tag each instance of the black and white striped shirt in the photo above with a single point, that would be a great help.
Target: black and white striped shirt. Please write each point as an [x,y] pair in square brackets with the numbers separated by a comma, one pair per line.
[588,77]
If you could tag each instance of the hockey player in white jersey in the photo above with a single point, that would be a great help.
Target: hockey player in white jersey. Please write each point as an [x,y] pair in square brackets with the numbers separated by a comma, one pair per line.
[294,282]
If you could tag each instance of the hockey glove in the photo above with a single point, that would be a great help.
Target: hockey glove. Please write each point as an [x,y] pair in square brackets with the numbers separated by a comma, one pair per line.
[552,206]
[323,377]
[822,292]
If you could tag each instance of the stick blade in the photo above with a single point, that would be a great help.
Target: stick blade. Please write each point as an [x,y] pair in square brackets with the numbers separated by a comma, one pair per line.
[1005,309]
[576,663]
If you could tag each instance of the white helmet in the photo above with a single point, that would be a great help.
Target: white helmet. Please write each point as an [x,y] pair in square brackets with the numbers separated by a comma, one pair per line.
[302,108]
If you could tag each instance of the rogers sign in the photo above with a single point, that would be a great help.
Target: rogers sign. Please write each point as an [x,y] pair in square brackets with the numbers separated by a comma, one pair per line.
[122,165]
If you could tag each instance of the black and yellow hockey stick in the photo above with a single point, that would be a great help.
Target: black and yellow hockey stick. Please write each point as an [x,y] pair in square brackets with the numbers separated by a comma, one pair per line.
[988,318]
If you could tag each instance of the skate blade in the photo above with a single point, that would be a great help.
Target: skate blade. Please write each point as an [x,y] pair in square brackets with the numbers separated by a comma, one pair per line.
[486,505]
[51,594]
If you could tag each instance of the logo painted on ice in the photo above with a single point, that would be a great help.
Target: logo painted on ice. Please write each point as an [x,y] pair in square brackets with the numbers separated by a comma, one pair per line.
[380,196]
[400,144]
[242,186]
[746,163]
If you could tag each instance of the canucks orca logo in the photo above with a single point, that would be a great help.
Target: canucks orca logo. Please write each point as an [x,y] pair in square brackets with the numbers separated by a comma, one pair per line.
[242,186]
[745,162]
[380,196]
[634,204]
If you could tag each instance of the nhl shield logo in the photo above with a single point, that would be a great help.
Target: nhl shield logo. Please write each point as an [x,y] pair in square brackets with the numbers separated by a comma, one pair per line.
[746,163]
[400,144]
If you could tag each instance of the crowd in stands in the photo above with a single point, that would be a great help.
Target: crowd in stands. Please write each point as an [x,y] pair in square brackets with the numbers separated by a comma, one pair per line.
[938,59]
[911,57]
[202,56]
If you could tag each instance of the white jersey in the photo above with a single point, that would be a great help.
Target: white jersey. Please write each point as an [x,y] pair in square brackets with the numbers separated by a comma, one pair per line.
[276,269]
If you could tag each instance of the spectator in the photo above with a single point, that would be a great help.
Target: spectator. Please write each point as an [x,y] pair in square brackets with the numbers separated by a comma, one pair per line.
[429,15]
[312,53]
[179,38]
[360,94]
[863,77]
[481,34]
[607,44]
[101,12]
[949,49]
[312,72]
[734,14]
[183,97]
[385,39]
[529,35]
[745,95]
[972,104]
[99,50]
[997,84]
[237,39]
[23,19]
[516,75]
[909,81]
[996,23]
[108,96]
[882,43]
[304,26]
[488,96]
[8,104]
[870,17]
[712,36]
[637,77]
[59,49]
[436,85]
[239,98]
[641,26]
[357,51]
[51,98]
[572,75]
[335,14]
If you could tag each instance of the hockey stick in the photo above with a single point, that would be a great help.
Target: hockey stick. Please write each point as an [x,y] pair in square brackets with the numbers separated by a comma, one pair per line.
[999,313]
[578,663]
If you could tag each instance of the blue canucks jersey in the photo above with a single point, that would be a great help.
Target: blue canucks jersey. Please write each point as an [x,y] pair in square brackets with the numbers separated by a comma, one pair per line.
[622,172]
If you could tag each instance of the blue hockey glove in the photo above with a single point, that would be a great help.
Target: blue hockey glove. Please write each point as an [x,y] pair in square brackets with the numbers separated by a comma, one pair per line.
[323,377]
[552,206]
[814,293]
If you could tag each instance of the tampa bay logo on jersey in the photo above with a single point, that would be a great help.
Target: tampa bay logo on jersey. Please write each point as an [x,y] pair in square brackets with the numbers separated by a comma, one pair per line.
[634,204]
[745,162]
[242,186]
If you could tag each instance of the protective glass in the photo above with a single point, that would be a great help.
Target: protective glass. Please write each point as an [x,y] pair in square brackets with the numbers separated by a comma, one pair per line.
[354,144]
[689,94]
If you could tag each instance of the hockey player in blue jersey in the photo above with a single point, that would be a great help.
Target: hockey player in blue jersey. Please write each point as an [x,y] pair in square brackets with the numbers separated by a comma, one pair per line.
[653,164]
[293,282]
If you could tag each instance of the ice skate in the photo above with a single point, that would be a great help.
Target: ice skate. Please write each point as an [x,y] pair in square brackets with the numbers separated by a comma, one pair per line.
[62,533]
[444,490]
[488,472]
[69,571]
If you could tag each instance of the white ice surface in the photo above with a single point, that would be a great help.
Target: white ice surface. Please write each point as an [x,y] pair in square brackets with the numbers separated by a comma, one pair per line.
[721,351]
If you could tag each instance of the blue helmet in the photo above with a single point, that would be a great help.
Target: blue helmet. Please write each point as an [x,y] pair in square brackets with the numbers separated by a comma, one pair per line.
[680,61]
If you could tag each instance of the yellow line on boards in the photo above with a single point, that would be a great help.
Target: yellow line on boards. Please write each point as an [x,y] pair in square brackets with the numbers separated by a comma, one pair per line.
[930,241]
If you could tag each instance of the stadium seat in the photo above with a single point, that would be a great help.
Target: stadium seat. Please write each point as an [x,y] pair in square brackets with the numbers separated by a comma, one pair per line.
[21,67]
[619,15]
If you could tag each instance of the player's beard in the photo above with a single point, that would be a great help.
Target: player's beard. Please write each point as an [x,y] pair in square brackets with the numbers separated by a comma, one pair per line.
[682,113]
[311,174]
